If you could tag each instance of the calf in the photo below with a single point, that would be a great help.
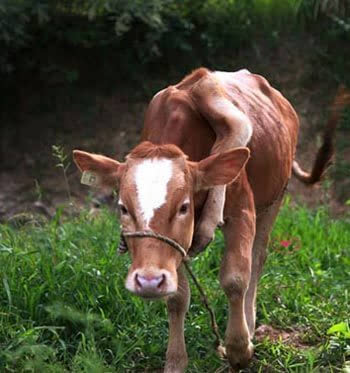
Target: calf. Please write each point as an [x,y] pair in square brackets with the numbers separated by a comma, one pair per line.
[218,148]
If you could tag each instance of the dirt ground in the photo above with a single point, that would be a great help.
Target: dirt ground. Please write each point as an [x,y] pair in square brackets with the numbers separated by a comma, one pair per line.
[111,124]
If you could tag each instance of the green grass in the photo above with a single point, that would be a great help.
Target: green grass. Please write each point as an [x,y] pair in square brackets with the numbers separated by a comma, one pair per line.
[63,306]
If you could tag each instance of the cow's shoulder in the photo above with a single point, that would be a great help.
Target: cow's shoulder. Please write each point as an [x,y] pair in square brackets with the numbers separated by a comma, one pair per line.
[172,111]
[171,100]
[191,79]
[220,84]
[244,81]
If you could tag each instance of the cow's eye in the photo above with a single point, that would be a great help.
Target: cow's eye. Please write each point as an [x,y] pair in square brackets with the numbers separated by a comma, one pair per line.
[184,208]
[123,210]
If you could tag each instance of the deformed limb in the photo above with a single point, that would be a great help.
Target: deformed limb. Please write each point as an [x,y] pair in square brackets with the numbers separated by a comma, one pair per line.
[211,217]
[232,129]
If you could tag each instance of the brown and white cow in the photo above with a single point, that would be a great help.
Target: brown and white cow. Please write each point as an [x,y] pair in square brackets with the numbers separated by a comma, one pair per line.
[218,148]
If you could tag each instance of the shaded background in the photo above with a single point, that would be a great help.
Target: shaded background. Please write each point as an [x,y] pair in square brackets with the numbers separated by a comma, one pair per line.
[79,74]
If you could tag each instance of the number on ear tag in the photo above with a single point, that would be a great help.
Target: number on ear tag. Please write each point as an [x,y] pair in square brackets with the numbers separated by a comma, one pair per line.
[89,178]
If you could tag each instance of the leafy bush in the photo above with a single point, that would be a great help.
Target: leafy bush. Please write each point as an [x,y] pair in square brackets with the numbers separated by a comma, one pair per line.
[86,24]
[141,31]
[14,20]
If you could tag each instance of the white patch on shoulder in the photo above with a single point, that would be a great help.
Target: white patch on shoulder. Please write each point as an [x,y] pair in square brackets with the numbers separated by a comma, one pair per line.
[152,177]
[228,75]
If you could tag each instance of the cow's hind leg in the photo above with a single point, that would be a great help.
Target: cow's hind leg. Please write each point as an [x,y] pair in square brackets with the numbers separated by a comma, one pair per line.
[176,356]
[235,273]
[264,224]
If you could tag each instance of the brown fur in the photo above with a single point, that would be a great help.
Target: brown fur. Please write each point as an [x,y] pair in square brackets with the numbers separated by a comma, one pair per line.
[193,77]
[148,150]
[208,117]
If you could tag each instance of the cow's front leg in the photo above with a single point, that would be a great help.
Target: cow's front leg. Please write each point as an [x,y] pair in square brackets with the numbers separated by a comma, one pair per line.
[177,304]
[235,274]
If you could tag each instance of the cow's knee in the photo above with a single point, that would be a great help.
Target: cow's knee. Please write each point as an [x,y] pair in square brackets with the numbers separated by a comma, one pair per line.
[234,285]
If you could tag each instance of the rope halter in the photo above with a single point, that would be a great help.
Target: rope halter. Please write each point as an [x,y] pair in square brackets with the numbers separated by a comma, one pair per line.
[123,248]
[141,234]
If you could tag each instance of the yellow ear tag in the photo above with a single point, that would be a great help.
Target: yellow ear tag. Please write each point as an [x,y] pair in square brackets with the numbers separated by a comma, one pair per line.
[89,178]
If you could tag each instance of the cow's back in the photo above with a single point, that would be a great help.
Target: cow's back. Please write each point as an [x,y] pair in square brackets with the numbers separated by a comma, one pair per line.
[172,117]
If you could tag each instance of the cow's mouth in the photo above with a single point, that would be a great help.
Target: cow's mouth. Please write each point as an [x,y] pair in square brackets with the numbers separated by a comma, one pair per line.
[153,296]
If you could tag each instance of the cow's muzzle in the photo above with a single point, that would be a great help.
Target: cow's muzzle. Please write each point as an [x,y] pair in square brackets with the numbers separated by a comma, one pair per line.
[148,282]
[151,283]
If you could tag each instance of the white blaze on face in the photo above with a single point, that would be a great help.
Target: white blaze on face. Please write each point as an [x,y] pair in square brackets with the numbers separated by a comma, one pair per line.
[152,177]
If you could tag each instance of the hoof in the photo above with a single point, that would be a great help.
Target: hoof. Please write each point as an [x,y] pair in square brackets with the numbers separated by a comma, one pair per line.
[199,244]
[221,352]
[240,360]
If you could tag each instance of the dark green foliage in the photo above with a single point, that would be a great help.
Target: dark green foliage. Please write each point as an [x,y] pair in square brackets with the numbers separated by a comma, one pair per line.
[14,19]
[85,24]
[139,32]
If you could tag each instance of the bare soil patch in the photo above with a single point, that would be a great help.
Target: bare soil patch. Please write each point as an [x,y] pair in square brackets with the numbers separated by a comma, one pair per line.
[291,337]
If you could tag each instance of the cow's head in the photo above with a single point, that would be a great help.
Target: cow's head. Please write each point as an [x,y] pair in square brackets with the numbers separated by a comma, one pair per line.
[156,186]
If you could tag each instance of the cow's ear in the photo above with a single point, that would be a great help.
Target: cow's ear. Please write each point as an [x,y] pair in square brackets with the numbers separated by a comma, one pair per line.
[98,170]
[220,168]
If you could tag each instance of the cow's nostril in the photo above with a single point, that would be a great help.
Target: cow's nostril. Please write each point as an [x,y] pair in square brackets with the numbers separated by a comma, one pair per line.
[138,283]
[162,280]
[149,282]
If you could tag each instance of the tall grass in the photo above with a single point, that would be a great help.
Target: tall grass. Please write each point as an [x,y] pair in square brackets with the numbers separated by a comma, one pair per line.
[63,306]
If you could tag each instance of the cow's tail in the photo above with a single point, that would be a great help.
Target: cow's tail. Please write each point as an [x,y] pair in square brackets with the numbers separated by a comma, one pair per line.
[326,151]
